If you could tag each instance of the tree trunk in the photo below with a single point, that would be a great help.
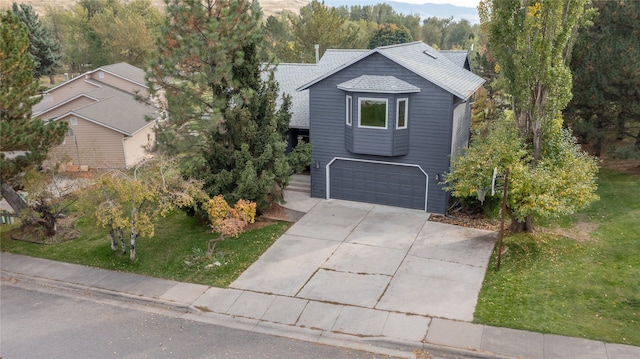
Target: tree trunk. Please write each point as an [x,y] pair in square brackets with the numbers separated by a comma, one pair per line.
[16,202]
[51,79]
[597,147]
[49,221]
[112,236]
[121,236]
[132,245]
[519,227]
[537,144]
[133,235]
[620,126]
[211,245]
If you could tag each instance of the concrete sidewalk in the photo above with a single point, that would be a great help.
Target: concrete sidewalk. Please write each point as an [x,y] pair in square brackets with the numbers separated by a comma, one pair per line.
[348,274]
[319,322]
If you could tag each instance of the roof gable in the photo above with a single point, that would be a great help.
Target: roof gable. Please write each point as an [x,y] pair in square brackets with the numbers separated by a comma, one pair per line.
[292,76]
[65,102]
[424,61]
[118,111]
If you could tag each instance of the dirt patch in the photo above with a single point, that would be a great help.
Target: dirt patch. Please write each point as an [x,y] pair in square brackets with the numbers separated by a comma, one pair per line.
[276,213]
[580,231]
[259,223]
[624,166]
[279,213]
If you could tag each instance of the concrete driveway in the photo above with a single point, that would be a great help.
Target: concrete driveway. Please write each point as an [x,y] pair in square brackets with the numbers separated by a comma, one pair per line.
[376,257]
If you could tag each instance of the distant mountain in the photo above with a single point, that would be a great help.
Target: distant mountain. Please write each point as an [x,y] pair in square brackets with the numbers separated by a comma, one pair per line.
[423,10]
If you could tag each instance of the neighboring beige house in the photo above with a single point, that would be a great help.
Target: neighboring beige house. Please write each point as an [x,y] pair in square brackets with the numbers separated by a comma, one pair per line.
[108,127]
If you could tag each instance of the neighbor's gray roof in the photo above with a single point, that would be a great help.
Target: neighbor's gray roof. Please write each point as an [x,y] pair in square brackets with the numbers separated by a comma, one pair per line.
[122,69]
[424,61]
[126,71]
[117,110]
[378,84]
[292,76]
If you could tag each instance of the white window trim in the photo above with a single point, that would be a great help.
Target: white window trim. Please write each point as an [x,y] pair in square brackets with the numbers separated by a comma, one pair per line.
[349,110]
[101,74]
[386,112]
[73,121]
[406,113]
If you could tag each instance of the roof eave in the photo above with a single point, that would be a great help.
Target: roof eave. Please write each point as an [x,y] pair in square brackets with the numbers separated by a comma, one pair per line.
[377,90]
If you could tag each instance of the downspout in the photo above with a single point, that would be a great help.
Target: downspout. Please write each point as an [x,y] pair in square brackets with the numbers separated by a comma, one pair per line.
[124,151]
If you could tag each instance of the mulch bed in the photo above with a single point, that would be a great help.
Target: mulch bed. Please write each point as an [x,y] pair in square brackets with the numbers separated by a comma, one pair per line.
[467,220]
[35,234]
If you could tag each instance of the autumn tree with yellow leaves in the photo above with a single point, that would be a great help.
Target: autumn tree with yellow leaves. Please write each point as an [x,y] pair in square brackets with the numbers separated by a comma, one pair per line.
[133,203]
[226,220]
[551,175]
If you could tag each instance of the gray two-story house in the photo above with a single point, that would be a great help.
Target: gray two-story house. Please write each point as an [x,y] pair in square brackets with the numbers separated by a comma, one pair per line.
[384,123]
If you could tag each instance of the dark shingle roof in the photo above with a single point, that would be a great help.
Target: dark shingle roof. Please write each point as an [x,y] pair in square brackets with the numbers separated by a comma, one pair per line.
[378,84]
[292,76]
[424,61]
[458,57]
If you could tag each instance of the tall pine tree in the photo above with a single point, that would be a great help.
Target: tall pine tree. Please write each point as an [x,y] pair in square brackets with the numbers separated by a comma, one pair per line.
[18,130]
[43,46]
[222,121]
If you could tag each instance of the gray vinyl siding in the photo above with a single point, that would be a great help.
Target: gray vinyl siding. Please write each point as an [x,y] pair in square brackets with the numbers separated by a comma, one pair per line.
[429,126]
[460,138]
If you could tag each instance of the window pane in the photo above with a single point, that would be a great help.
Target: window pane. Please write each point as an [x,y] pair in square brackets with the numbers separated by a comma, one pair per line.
[402,113]
[373,113]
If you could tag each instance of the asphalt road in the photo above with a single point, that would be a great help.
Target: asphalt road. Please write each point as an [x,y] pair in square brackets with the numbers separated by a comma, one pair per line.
[41,322]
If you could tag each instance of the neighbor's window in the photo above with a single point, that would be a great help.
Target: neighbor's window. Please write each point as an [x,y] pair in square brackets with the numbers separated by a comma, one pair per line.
[349,108]
[73,121]
[69,132]
[373,112]
[402,113]
[101,74]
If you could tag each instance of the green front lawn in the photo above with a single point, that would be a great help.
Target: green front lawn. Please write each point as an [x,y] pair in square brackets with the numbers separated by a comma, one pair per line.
[590,288]
[179,239]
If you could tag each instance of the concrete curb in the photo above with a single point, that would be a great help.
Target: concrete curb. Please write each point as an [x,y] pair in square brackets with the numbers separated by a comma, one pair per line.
[379,345]
[106,292]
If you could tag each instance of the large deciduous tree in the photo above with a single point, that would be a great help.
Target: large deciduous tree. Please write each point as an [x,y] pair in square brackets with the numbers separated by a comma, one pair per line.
[43,46]
[606,71]
[322,25]
[221,102]
[531,41]
[99,32]
[30,137]
[128,31]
